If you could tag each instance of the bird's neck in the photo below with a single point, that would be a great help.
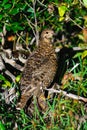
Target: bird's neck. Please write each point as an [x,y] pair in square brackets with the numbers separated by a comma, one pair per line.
[46,41]
[45,47]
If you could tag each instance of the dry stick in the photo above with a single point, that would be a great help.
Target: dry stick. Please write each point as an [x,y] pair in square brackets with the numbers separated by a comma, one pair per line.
[10,74]
[32,41]
[2,34]
[75,66]
[30,24]
[70,95]
[57,49]
[82,3]
[12,62]
[20,38]
[29,5]
[41,3]
[32,27]
[9,95]
[36,28]
[2,66]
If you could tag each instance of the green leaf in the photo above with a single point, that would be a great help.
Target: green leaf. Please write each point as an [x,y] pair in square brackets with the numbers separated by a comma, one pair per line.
[1,16]
[62,9]
[7,83]
[7,6]
[78,55]
[16,26]
[23,7]
[13,1]
[85,126]
[85,2]
[4,2]
[84,54]
[14,11]
[18,78]
[30,10]
[2,127]
[2,77]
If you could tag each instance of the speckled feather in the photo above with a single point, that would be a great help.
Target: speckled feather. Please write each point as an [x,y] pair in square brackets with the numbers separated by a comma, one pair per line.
[40,69]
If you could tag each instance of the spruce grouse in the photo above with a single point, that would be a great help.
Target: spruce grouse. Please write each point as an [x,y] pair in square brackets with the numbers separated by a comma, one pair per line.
[39,70]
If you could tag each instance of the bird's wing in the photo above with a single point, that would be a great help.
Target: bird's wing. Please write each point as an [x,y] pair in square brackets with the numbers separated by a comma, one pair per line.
[33,68]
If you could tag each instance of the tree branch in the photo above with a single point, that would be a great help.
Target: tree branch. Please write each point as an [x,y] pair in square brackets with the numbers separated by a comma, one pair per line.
[36,26]
[70,95]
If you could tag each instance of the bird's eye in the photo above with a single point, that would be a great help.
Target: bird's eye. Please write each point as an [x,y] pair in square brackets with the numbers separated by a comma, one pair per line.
[46,32]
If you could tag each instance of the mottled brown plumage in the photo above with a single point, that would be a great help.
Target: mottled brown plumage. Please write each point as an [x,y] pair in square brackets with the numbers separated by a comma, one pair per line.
[40,69]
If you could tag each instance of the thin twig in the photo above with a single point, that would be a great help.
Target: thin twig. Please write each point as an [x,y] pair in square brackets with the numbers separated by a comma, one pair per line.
[82,3]
[2,34]
[57,49]
[70,95]
[32,41]
[21,38]
[10,74]
[75,66]
[29,5]
[2,66]
[32,26]
[41,3]
[12,62]
[75,23]
[36,27]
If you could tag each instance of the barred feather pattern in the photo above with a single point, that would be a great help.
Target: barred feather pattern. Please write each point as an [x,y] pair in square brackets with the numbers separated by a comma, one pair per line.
[39,70]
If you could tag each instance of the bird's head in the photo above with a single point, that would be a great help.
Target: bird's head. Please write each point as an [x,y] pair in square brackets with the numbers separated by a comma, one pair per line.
[47,35]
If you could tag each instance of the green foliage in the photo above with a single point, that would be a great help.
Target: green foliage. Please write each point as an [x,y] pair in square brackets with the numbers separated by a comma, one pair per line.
[17,79]
[2,127]
[84,54]
[85,3]
[6,83]
[13,14]
[68,18]
[78,83]
[63,114]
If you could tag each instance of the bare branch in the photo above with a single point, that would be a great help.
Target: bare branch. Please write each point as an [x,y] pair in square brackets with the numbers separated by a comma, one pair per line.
[12,62]
[57,49]
[2,34]
[32,41]
[20,38]
[36,27]
[2,66]
[11,75]
[4,30]
[29,5]
[41,3]
[70,95]
[76,65]
[75,23]
[32,26]
[9,95]
[82,3]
